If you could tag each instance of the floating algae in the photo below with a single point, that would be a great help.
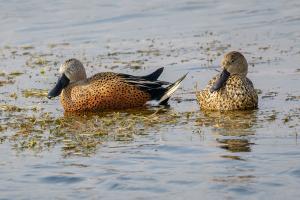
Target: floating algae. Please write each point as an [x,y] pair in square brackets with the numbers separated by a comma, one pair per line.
[15,73]
[5,82]
[27,47]
[10,108]
[30,128]
[53,45]
[37,60]
[38,93]
[9,78]
[82,134]
[41,61]
[292,98]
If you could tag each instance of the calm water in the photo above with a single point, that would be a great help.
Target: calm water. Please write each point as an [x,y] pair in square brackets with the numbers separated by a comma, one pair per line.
[239,155]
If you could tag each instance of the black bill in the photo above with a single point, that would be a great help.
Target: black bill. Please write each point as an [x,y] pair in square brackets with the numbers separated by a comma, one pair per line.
[62,82]
[221,81]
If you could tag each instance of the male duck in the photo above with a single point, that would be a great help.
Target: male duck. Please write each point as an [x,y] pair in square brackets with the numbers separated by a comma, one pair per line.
[108,90]
[230,90]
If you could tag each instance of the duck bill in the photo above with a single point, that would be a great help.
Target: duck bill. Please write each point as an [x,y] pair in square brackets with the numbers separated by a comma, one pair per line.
[62,82]
[221,81]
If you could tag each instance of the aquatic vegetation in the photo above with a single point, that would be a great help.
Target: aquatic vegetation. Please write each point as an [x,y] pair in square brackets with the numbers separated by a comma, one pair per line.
[272,116]
[270,95]
[37,60]
[2,73]
[34,128]
[157,152]
[154,52]
[38,93]
[10,108]
[135,64]
[118,53]
[9,78]
[15,73]
[292,118]
[53,45]
[292,98]
[82,134]
[40,61]
[42,71]
[27,47]
[5,82]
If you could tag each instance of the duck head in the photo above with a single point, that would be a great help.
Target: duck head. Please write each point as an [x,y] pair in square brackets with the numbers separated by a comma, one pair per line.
[71,71]
[233,63]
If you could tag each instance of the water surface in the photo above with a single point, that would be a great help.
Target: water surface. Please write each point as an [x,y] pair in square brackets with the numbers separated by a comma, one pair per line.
[174,153]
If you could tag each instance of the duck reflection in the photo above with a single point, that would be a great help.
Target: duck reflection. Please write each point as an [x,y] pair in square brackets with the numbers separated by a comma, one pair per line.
[231,128]
[235,145]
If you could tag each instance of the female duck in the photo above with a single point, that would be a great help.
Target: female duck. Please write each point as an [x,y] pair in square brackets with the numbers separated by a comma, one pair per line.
[231,90]
[108,90]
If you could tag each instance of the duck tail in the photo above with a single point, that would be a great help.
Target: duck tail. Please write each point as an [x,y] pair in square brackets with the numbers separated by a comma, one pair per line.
[154,76]
[170,90]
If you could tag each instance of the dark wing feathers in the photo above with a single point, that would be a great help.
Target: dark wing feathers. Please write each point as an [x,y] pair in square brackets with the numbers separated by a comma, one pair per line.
[154,88]
[154,76]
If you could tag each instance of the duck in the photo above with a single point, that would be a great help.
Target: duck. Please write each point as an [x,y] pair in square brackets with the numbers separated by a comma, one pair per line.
[108,90]
[230,89]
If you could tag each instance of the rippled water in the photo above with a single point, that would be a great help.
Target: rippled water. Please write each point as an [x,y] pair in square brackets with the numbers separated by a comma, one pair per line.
[208,155]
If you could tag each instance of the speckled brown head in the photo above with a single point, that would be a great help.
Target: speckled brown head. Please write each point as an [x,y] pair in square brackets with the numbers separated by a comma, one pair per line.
[71,71]
[233,63]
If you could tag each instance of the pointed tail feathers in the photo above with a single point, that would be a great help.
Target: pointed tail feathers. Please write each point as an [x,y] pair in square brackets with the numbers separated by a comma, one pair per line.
[170,90]
[154,76]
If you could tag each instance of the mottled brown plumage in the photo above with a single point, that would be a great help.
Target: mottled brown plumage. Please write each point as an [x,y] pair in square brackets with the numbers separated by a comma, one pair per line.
[103,91]
[108,90]
[235,92]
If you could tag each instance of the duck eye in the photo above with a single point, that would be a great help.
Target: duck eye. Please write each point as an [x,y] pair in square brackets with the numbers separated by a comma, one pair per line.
[232,61]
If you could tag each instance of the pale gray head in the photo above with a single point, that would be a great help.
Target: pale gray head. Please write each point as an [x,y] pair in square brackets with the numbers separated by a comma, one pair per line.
[71,71]
[233,63]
